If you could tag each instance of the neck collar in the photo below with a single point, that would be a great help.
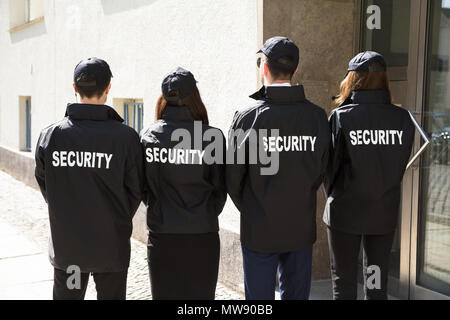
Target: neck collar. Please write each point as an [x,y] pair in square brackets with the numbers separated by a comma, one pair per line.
[80,111]
[277,94]
[371,97]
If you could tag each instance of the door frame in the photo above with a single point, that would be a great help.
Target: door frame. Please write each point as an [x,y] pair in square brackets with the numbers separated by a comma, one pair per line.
[416,81]
[415,290]
[414,98]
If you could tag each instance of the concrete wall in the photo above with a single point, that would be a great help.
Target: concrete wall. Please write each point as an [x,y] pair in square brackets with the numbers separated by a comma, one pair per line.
[324,31]
[18,164]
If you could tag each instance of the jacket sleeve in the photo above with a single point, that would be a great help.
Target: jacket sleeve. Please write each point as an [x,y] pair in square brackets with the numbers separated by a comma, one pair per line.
[147,195]
[39,171]
[327,150]
[218,179]
[335,152]
[151,173]
[134,175]
[236,169]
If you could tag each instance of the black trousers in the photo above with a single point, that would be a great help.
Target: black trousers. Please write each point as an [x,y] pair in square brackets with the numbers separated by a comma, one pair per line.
[183,267]
[109,286]
[344,253]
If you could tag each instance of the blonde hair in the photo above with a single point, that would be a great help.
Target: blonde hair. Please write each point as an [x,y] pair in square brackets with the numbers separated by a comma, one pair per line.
[363,80]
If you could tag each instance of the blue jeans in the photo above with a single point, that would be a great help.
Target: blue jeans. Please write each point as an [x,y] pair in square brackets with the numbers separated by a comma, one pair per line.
[294,274]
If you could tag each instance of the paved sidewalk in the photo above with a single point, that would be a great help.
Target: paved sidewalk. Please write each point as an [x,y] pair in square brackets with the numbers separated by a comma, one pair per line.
[24,268]
[25,272]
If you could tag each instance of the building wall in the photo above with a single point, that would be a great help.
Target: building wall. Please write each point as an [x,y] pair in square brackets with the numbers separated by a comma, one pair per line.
[142,41]
[324,30]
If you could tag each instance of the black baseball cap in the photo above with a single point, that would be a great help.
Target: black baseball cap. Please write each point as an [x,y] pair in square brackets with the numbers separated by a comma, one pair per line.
[280,48]
[95,70]
[364,60]
[178,84]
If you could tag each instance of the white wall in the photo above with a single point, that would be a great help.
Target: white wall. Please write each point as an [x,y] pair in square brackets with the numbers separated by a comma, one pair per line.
[142,41]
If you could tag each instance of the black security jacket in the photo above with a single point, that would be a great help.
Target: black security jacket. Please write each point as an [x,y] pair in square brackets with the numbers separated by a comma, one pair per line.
[365,173]
[278,212]
[91,204]
[182,198]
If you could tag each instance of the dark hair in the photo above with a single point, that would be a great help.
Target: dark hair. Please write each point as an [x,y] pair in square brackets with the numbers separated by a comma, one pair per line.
[283,68]
[193,102]
[89,91]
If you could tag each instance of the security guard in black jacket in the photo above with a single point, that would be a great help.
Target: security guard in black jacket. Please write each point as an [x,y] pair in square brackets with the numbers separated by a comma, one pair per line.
[89,167]
[276,194]
[372,143]
[185,192]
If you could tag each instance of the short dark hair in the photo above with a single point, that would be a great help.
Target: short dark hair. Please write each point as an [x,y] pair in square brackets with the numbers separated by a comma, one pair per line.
[284,67]
[93,90]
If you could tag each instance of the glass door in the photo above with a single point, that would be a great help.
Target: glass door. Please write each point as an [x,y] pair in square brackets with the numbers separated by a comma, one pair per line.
[390,38]
[430,254]
[395,36]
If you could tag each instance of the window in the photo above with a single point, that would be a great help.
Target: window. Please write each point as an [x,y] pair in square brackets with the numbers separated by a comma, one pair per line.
[132,112]
[392,39]
[433,254]
[25,123]
[28,125]
[24,12]
[27,11]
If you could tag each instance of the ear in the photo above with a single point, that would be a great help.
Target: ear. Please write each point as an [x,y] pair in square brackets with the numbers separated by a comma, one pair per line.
[108,88]
[75,88]
[296,70]
[265,69]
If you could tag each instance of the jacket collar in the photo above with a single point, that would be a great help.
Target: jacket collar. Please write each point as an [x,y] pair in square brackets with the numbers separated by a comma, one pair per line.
[79,111]
[371,97]
[280,94]
[177,113]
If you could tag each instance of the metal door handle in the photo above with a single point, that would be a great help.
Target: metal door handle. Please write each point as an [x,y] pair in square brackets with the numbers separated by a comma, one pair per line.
[423,148]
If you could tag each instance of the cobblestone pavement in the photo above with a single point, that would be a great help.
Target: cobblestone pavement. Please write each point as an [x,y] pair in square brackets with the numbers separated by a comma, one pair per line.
[24,209]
